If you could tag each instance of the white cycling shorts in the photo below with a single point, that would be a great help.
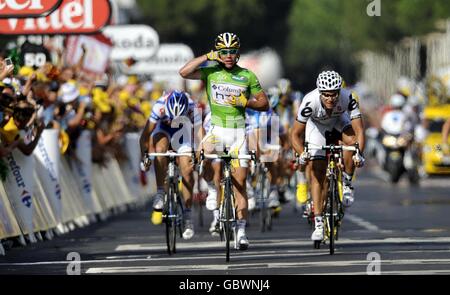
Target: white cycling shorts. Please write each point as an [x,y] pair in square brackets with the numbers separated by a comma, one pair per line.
[234,139]
[317,133]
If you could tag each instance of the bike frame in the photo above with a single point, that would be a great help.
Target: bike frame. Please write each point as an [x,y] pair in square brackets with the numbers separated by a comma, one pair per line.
[173,210]
[227,208]
[333,211]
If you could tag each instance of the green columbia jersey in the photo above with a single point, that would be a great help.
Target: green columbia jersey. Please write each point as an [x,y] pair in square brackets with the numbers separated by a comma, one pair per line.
[220,85]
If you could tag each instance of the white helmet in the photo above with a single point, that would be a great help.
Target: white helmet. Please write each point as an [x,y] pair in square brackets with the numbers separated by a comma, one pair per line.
[284,85]
[329,81]
[405,86]
[397,100]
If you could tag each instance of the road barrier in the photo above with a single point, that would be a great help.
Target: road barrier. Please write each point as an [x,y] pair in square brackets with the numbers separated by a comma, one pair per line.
[47,193]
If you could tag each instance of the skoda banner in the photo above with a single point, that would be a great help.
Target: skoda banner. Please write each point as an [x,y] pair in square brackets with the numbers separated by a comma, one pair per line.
[164,66]
[132,41]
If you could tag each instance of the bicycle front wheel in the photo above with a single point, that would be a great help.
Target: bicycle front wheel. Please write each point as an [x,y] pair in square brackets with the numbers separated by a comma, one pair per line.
[171,221]
[228,214]
[332,195]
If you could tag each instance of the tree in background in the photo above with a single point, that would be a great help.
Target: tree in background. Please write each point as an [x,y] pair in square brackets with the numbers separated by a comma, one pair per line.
[310,35]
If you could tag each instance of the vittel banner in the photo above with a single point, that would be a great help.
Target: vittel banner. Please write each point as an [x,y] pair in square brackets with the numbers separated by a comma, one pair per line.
[72,17]
[27,8]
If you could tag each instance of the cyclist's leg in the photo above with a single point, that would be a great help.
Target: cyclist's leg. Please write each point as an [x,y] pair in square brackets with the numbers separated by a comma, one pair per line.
[238,143]
[212,175]
[212,143]
[268,141]
[252,137]
[349,138]
[239,176]
[315,134]
[240,193]
[318,184]
[186,170]
[159,143]
[187,174]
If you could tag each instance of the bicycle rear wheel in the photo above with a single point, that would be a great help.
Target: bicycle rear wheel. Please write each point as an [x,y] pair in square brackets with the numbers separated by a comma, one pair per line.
[170,220]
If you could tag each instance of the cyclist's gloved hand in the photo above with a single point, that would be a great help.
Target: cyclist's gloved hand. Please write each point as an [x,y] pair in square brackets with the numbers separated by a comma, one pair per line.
[145,164]
[234,152]
[359,160]
[213,56]
[304,158]
[238,101]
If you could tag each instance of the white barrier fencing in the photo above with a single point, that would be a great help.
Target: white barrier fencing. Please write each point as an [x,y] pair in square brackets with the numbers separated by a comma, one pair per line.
[46,193]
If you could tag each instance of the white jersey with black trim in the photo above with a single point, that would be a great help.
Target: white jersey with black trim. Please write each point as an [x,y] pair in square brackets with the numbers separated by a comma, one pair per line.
[311,108]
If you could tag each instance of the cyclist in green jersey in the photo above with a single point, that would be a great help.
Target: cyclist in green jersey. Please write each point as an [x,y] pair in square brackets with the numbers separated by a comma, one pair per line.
[230,89]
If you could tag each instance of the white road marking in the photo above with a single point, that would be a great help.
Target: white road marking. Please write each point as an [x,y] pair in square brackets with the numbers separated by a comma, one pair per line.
[285,242]
[67,261]
[362,223]
[128,257]
[203,267]
[395,272]
[259,253]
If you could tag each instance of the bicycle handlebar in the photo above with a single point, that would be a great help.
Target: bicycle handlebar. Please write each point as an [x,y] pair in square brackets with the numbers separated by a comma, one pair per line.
[350,148]
[168,154]
[251,156]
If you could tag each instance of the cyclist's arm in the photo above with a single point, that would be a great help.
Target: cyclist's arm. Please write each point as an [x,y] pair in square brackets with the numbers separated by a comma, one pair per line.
[191,70]
[297,132]
[358,127]
[145,136]
[445,131]
[259,102]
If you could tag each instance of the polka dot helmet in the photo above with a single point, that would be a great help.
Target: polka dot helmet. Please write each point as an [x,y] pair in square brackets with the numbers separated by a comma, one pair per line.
[329,81]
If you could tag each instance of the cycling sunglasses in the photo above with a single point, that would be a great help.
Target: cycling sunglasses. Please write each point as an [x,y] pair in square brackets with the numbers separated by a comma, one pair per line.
[228,51]
[330,94]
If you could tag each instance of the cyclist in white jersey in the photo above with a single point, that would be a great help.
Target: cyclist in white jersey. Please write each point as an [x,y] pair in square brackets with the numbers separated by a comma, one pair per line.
[171,125]
[324,113]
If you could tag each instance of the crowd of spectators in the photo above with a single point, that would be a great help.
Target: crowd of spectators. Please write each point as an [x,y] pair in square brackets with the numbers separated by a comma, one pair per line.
[66,98]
